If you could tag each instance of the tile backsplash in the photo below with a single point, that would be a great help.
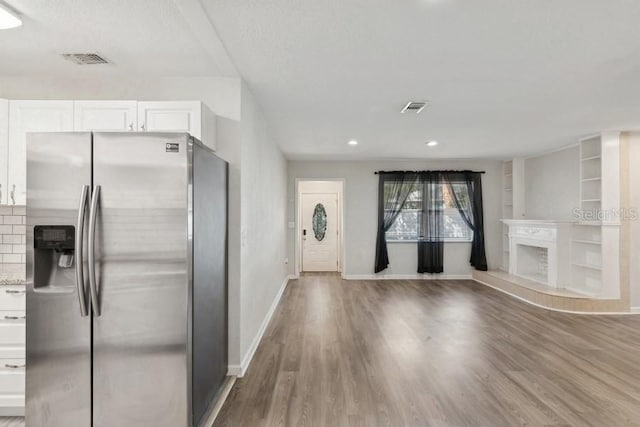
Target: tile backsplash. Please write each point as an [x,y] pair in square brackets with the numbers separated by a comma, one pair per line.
[12,241]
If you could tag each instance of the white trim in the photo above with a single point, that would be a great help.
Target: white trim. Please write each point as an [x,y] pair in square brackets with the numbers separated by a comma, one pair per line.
[222,397]
[12,411]
[407,277]
[634,310]
[240,370]
[617,313]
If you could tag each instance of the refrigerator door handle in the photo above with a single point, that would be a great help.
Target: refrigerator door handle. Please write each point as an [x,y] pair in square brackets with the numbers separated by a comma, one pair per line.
[93,212]
[82,297]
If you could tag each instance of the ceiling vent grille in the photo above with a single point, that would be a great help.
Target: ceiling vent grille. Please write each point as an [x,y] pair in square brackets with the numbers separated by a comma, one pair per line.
[85,58]
[414,107]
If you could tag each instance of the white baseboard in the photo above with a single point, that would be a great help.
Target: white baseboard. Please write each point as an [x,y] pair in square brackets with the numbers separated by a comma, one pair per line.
[634,309]
[617,313]
[407,277]
[222,397]
[12,411]
[240,370]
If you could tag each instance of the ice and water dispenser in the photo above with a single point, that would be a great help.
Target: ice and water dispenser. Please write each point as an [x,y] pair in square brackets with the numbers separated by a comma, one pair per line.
[54,250]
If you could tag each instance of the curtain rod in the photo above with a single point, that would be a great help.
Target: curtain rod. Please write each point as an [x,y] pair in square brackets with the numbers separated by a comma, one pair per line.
[448,171]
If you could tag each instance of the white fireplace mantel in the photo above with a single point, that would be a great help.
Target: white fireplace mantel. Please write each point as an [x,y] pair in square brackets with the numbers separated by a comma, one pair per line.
[545,242]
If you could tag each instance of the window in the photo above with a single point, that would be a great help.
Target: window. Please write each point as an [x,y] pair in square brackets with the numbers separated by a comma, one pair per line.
[407,225]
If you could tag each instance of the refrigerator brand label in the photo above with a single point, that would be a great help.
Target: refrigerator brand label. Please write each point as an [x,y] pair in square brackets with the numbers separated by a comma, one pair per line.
[172,147]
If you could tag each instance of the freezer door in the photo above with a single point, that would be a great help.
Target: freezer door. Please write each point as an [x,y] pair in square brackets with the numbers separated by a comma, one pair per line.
[58,360]
[140,359]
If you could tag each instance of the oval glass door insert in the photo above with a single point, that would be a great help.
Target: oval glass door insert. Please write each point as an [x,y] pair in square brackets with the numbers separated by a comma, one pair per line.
[319,222]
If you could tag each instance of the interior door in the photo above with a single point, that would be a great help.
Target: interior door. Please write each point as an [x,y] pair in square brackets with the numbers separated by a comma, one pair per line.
[105,116]
[140,358]
[58,337]
[320,232]
[173,116]
[31,116]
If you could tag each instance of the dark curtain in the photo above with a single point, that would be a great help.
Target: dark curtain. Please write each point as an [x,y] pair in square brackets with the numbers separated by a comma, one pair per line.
[468,201]
[431,243]
[393,190]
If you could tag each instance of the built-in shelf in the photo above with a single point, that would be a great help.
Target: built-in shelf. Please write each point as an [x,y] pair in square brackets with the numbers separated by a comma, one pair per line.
[588,242]
[590,200]
[507,207]
[589,266]
[597,178]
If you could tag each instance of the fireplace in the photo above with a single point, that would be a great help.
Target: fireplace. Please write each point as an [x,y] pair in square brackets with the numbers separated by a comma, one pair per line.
[533,263]
[540,251]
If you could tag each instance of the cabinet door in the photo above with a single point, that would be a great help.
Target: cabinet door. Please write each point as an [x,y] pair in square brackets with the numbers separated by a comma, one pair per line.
[31,116]
[105,116]
[174,116]
[4,149]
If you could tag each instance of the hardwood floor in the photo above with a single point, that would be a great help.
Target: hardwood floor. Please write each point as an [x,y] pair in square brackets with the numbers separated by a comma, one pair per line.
[441,353]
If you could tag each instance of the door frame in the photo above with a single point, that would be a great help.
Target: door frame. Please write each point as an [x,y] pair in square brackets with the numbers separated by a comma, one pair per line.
[298,230]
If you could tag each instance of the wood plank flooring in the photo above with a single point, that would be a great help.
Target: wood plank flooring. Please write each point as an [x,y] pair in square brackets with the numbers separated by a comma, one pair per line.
[435,353]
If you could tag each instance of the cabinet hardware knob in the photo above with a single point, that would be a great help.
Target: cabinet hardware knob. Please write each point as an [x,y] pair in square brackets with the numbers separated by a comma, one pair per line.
[12,194]
[142,127]
[131,126]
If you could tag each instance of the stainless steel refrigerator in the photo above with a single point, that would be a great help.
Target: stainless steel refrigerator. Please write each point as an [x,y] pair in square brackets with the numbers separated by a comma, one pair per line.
[126,279]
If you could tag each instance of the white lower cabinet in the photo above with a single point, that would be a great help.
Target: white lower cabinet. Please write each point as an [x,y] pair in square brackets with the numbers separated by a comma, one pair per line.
[12,350]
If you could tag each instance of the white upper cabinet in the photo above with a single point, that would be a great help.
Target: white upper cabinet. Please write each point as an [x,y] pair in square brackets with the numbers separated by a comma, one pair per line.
[31,116]
[4,149]
[119,116]
[178,116]
[17,118]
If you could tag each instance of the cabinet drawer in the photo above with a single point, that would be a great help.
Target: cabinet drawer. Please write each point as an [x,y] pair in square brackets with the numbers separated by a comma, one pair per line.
[12,298]
[12,328]
[12,376]
[12,352]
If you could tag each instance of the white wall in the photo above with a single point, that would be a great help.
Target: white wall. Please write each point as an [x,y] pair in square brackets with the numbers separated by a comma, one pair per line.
[263,219]
[552,185]
[361,213]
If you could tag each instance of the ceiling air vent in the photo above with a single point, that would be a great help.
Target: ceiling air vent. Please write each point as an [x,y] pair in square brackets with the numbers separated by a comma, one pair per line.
[85,58]
[414,107]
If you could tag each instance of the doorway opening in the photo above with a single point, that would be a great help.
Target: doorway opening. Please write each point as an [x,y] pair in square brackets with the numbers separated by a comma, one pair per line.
[319,241]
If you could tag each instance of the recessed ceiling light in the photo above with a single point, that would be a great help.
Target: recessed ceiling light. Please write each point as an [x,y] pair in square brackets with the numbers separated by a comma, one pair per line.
[353,142]
[8,18]
[432,143]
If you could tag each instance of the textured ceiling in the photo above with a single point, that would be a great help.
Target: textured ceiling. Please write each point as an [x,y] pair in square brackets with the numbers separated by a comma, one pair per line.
[141,37]
[504,77]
